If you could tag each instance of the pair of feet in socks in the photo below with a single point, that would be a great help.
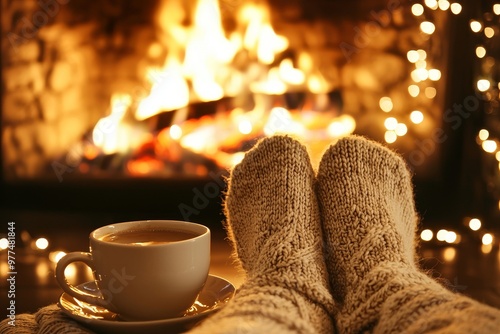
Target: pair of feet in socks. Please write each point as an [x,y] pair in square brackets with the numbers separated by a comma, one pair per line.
[333,251]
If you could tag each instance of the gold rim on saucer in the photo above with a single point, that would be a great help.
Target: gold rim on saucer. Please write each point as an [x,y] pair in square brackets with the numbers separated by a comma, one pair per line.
[215,294]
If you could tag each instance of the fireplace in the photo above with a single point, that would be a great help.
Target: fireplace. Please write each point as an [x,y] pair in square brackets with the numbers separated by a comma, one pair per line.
[103,98]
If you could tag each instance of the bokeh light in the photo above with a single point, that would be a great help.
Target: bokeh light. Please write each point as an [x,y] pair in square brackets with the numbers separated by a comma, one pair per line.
[386,104]
[432,4]
[489,32]
[416,116]
[391,123]
[489,146]
[413,90]
[417,9]
[441,235]
[496,8]
[487,239]
[390,136]
[426,235]
[412,56]
[451,237]
[430,92]
[41,243]
[483,85]
[483,134]
[4,243]
[480,52]
[474,224]
[427,27]
[475,26]
[401,129]
[434,74]
[456,8]
[443,4]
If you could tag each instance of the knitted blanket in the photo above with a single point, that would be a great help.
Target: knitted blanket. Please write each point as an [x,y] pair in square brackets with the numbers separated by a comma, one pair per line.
[47,320]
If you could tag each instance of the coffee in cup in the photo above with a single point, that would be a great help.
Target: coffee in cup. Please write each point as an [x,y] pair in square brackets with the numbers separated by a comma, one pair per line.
[144,270]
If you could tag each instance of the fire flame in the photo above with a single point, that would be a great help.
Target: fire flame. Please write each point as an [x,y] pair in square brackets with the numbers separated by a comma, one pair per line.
[202,65]
[108,133]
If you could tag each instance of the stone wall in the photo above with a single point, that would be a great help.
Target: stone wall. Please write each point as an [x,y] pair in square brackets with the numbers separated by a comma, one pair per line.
[61,61]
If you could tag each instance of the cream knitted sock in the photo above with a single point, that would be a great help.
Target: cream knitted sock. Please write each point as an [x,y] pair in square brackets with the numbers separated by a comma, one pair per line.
[273,222]
[369,222]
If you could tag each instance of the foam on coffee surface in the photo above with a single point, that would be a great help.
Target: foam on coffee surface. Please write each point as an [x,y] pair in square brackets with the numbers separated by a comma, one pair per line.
[147,237]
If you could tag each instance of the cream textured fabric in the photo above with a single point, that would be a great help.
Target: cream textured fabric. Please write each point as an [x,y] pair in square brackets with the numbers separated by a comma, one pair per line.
[369,221]
[47,320]
[273,222]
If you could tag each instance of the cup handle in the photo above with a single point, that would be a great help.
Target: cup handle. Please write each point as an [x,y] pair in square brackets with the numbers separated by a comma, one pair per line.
[69,288]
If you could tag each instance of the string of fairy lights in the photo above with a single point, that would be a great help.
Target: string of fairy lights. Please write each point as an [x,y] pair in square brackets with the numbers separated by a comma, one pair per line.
[423,85]
[422,88]
[487,85]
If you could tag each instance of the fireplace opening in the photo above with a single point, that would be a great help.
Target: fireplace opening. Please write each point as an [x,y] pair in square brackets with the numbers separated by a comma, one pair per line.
[183,88]
[170,94]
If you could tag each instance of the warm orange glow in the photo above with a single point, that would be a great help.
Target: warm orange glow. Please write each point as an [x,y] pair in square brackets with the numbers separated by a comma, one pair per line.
[145,166]
[272,85]
[317,84]
[342,126]
[260,37]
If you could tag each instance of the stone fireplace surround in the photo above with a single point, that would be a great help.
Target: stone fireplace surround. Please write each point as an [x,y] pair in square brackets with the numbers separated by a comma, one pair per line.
[62,60]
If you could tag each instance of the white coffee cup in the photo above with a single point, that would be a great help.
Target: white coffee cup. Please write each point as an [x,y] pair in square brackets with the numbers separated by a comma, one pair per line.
[143,281]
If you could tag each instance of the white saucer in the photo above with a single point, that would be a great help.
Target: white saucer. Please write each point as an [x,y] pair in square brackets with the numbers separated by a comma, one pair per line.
[215,294]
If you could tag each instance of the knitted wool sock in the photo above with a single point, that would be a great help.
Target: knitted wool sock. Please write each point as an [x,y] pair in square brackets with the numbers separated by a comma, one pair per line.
[273,222]
[369,222]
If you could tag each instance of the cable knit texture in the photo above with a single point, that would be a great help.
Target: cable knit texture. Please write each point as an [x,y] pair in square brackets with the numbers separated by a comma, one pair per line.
[47,320]
[273,222]
[369,221]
